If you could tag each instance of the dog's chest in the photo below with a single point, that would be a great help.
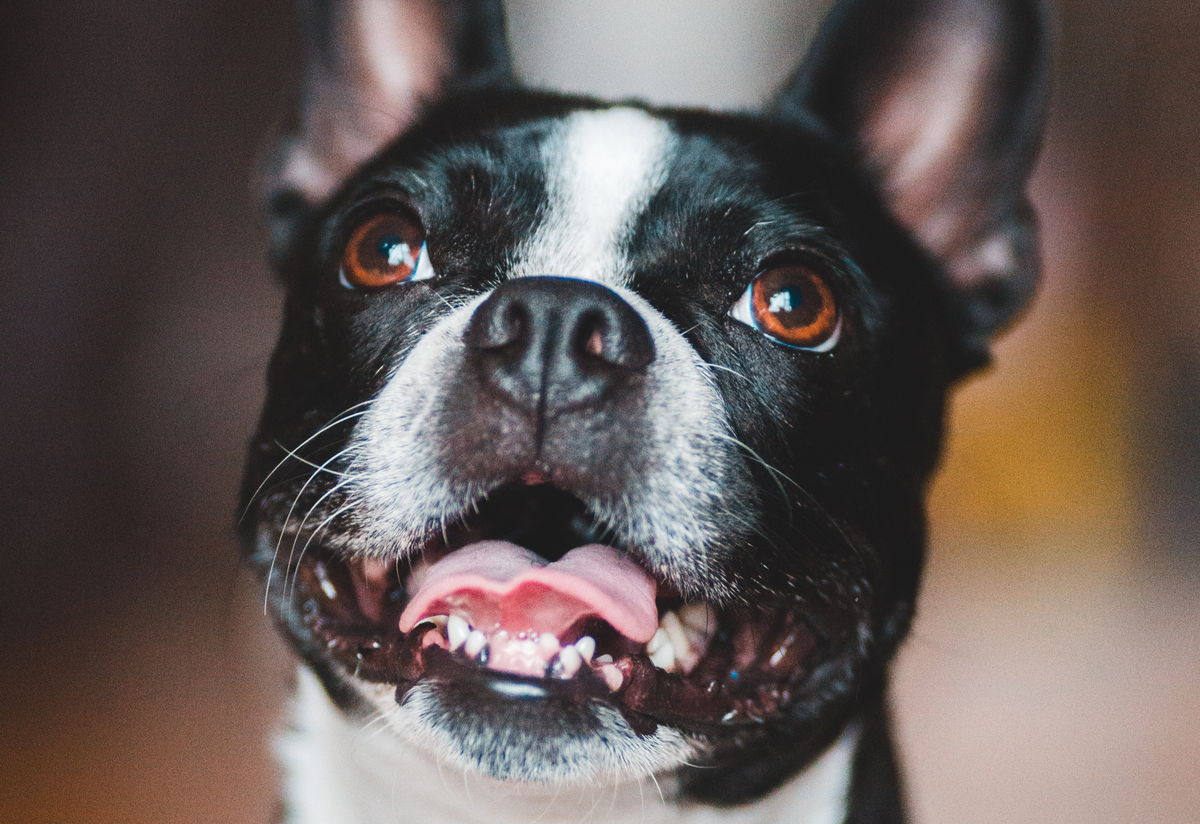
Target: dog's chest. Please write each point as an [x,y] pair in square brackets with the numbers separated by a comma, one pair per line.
[338,771]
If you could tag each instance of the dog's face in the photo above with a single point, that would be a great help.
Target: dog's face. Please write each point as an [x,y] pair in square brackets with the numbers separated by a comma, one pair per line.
[597,435]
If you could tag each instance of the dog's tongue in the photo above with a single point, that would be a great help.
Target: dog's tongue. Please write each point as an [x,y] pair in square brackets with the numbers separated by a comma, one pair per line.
[495,584]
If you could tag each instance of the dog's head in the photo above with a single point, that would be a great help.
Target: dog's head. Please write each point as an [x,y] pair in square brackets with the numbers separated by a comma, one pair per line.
[597,434]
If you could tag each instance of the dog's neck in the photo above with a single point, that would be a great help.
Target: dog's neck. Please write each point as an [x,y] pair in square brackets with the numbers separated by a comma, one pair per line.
[339,771]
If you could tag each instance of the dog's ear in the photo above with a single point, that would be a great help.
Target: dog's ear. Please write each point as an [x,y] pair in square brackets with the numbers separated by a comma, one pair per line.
[369,66]
[942,101]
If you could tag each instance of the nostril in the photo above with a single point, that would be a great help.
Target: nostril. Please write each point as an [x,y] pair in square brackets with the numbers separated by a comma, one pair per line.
[595,344]
[614,336]
[591,335]
[514,326]
[504,328]
[548,344]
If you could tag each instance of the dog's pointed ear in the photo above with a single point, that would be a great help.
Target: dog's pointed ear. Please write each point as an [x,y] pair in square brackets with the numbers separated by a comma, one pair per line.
[943,103]
[369,66]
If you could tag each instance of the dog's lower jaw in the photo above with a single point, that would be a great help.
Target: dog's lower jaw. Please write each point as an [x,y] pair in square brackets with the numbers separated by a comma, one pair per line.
[339,770]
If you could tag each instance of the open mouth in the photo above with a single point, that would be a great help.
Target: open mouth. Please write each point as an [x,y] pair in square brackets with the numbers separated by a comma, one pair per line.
[529,598]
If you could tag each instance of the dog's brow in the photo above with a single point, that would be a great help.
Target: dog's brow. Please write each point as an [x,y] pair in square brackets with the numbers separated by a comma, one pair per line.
[602,169]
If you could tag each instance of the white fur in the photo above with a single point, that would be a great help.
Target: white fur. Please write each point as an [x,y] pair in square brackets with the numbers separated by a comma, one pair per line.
[340,771]
[397,484]
[402,494]
[603,168]
[618,754]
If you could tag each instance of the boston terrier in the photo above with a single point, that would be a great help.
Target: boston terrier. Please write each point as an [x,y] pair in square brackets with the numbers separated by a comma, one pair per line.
[589,484]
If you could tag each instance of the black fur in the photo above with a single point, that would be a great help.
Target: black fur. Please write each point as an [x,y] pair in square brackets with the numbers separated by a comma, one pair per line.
[838,447]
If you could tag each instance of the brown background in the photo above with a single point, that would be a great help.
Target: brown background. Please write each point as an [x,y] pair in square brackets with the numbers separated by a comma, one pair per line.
[1054,675]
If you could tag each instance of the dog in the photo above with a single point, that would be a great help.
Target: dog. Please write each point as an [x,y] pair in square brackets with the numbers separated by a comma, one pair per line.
[592,464]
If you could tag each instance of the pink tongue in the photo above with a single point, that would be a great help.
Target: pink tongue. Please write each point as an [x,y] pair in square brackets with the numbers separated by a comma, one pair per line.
[495,584]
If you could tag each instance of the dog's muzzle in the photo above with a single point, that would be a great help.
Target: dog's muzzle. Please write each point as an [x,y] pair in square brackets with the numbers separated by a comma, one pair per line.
[536,590]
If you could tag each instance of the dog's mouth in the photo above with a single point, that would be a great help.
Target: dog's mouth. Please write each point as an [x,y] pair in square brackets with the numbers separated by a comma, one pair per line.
[530,598]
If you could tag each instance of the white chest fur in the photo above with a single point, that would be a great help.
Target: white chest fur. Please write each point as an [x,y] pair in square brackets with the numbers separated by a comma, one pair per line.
[339,771]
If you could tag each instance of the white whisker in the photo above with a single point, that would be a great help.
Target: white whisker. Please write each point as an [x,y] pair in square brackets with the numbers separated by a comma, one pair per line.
[341,417]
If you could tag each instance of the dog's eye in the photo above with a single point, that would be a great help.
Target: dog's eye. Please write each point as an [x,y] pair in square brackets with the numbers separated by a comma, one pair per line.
[793,305]
[383,250]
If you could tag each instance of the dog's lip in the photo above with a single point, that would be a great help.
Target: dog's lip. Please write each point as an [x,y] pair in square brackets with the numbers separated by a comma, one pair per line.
[754,666]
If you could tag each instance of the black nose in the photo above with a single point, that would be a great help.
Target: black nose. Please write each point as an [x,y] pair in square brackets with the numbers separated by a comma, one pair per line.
[554,344]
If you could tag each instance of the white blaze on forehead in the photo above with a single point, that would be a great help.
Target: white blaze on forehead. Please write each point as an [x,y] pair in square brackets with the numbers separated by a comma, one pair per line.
[602,168]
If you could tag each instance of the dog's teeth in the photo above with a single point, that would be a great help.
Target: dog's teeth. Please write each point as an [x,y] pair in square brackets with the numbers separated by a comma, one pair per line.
[657,641]
[604,659]
[457,630]
[663,655]
[613,677]
[547,644]
[475,643]
[586,647]
[569,662]
[675,632]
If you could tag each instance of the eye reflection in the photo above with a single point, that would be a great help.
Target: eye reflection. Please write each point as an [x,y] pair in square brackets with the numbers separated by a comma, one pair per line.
[794,306]
[384,250]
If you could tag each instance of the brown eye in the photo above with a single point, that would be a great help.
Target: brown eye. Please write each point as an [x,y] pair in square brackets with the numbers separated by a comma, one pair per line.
[793,305]
[383,250]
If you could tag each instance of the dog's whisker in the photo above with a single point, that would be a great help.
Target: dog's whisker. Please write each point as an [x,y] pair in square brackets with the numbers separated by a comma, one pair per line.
[373,728]
[300,529]
[546,454]
[661,797]
[772,471]
[312,537]
[641,785]
[549,805]
[734,372]
[805,495]
[291,510]
[279,544]
[347,414]
[319,467]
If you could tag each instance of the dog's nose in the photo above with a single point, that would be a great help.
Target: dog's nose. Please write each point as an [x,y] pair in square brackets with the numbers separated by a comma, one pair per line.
[553,344]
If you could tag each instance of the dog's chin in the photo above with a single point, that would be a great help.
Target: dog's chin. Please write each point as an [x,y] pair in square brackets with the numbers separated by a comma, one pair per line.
[516,732]
[583,702]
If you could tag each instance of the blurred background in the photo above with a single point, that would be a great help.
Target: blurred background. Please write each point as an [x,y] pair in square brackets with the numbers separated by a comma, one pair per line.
[1054,672]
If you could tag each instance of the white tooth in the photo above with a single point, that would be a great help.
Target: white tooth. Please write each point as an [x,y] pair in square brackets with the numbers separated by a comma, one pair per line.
[586,647]
[604,659]
[612,676]
[569,662]
[664,656]
[547,644]
[674,629]
[657,641]
[475,643]
[528,648]
[457,630]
